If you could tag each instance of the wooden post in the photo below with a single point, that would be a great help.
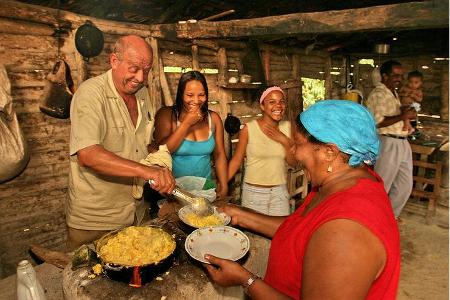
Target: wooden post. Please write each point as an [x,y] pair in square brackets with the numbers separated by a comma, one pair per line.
[195,63]
[168,101]
[266,64]
[223,95]
[296,66]
[222,66]
[444,96]
[328,80]
[154,83]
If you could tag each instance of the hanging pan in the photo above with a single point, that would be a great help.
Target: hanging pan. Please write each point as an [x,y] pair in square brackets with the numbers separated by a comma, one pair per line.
[89,40]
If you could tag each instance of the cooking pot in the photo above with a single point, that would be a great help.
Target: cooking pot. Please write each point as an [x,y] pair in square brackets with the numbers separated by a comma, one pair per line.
[89,40]
[232,124]
[135,276]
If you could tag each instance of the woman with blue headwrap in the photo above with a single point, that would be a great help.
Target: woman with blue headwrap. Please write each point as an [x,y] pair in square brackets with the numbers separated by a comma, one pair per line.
[343,241]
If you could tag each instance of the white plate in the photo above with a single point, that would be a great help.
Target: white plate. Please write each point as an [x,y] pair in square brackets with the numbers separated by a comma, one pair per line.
[221,241]
[186,210]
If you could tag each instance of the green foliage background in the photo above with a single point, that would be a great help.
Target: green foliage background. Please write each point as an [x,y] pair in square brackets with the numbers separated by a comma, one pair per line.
[312,90]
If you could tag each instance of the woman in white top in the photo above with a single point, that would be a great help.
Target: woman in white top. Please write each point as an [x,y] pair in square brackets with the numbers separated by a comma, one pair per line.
[267,144]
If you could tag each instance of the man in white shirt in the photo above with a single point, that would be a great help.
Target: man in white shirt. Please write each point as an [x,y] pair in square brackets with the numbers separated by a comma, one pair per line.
[394,164]
[112,119]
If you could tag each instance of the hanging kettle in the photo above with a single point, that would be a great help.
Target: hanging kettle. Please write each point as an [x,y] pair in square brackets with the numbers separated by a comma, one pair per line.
[58,91]
[89,40]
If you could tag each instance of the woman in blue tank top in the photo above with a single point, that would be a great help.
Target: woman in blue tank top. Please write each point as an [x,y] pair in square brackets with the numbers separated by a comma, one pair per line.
[193,133]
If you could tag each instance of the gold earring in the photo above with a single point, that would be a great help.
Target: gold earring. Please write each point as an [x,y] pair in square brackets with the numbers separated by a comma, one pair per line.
[330,169]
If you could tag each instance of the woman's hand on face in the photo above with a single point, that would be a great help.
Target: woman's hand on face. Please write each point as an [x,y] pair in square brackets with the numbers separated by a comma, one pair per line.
[192,117]
[225,272]
[233,211]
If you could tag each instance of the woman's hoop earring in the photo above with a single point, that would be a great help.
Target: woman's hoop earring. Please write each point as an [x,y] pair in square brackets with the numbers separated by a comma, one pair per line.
[330,169]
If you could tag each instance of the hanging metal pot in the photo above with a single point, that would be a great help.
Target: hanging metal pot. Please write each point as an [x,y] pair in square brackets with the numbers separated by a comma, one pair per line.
[89,40]
[232,124]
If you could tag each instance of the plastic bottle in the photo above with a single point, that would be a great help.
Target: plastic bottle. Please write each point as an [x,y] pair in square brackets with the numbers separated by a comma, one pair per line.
[28,286]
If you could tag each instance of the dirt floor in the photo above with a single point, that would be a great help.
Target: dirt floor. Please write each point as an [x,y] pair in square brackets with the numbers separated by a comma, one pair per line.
[424,249]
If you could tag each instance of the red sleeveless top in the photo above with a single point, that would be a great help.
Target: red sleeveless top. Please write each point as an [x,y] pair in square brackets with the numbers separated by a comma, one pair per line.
[366,203]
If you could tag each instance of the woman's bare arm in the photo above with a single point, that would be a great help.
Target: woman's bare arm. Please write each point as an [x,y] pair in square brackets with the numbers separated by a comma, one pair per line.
[342,260]
[220,157]
[239,153]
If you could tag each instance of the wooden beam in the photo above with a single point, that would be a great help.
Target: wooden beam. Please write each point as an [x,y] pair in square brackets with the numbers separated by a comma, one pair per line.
[45,15]
[25,28]
[402,16]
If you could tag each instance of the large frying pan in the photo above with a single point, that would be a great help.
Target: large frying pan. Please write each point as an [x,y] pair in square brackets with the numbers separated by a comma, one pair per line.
[135,276]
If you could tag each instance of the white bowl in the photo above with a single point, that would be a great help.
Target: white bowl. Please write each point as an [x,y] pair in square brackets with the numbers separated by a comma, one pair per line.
[221,241]
[186,210]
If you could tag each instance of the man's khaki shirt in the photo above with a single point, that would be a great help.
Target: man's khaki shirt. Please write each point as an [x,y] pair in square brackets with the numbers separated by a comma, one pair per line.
[383,103]
[99,116]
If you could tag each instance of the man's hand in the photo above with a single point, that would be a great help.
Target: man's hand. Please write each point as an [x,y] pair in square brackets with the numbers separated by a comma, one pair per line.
[408,113]
[163,180]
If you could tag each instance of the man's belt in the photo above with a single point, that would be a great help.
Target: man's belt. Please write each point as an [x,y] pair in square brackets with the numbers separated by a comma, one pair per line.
[395,136]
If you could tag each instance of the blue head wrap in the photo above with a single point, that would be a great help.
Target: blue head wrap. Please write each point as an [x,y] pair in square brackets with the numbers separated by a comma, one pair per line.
[348,125]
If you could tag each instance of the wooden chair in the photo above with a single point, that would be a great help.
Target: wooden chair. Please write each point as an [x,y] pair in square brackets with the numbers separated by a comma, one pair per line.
[427,173]
[297,185]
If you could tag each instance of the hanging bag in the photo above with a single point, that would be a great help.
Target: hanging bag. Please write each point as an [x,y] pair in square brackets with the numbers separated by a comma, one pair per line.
[14,154]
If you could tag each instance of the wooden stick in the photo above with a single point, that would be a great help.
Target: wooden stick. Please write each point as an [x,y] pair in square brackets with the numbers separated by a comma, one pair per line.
[220,15]
[55,258]
[195,63]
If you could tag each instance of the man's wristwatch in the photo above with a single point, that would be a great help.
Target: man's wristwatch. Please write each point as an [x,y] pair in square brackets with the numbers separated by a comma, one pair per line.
[249,282]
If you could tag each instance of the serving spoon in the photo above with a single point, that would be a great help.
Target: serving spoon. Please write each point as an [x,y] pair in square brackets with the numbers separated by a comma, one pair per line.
[200,206]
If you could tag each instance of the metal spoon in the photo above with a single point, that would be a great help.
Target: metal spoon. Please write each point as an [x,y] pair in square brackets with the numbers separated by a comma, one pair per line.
[200,206]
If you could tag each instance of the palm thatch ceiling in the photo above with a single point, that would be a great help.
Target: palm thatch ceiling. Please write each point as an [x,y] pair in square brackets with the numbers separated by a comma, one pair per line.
[433,41]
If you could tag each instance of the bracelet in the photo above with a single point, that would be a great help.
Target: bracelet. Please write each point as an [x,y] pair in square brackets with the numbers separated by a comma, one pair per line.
[249,282]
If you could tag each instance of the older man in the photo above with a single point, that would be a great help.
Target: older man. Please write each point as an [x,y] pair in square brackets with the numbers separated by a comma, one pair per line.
[111,124]
[394,164]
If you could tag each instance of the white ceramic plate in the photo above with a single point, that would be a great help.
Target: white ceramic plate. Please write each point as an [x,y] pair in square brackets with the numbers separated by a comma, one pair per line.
[221,241]
[186,210]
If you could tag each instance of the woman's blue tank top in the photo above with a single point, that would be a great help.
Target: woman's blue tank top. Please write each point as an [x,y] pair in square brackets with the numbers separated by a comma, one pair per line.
[193,158]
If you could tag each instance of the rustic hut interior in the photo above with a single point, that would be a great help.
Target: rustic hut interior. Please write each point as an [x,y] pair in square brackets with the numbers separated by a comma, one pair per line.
[313,50]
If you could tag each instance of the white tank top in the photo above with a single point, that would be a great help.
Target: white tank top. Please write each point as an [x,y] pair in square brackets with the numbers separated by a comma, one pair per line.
[265,163]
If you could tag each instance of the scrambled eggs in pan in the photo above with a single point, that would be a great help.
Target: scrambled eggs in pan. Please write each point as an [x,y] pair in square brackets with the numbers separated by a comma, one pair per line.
[137,246]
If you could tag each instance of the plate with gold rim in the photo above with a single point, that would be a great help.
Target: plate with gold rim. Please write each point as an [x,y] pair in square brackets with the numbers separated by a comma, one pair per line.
[221,241]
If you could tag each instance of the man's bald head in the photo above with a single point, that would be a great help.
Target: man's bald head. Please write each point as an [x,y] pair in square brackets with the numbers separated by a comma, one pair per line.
[131,61]
[132,43]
